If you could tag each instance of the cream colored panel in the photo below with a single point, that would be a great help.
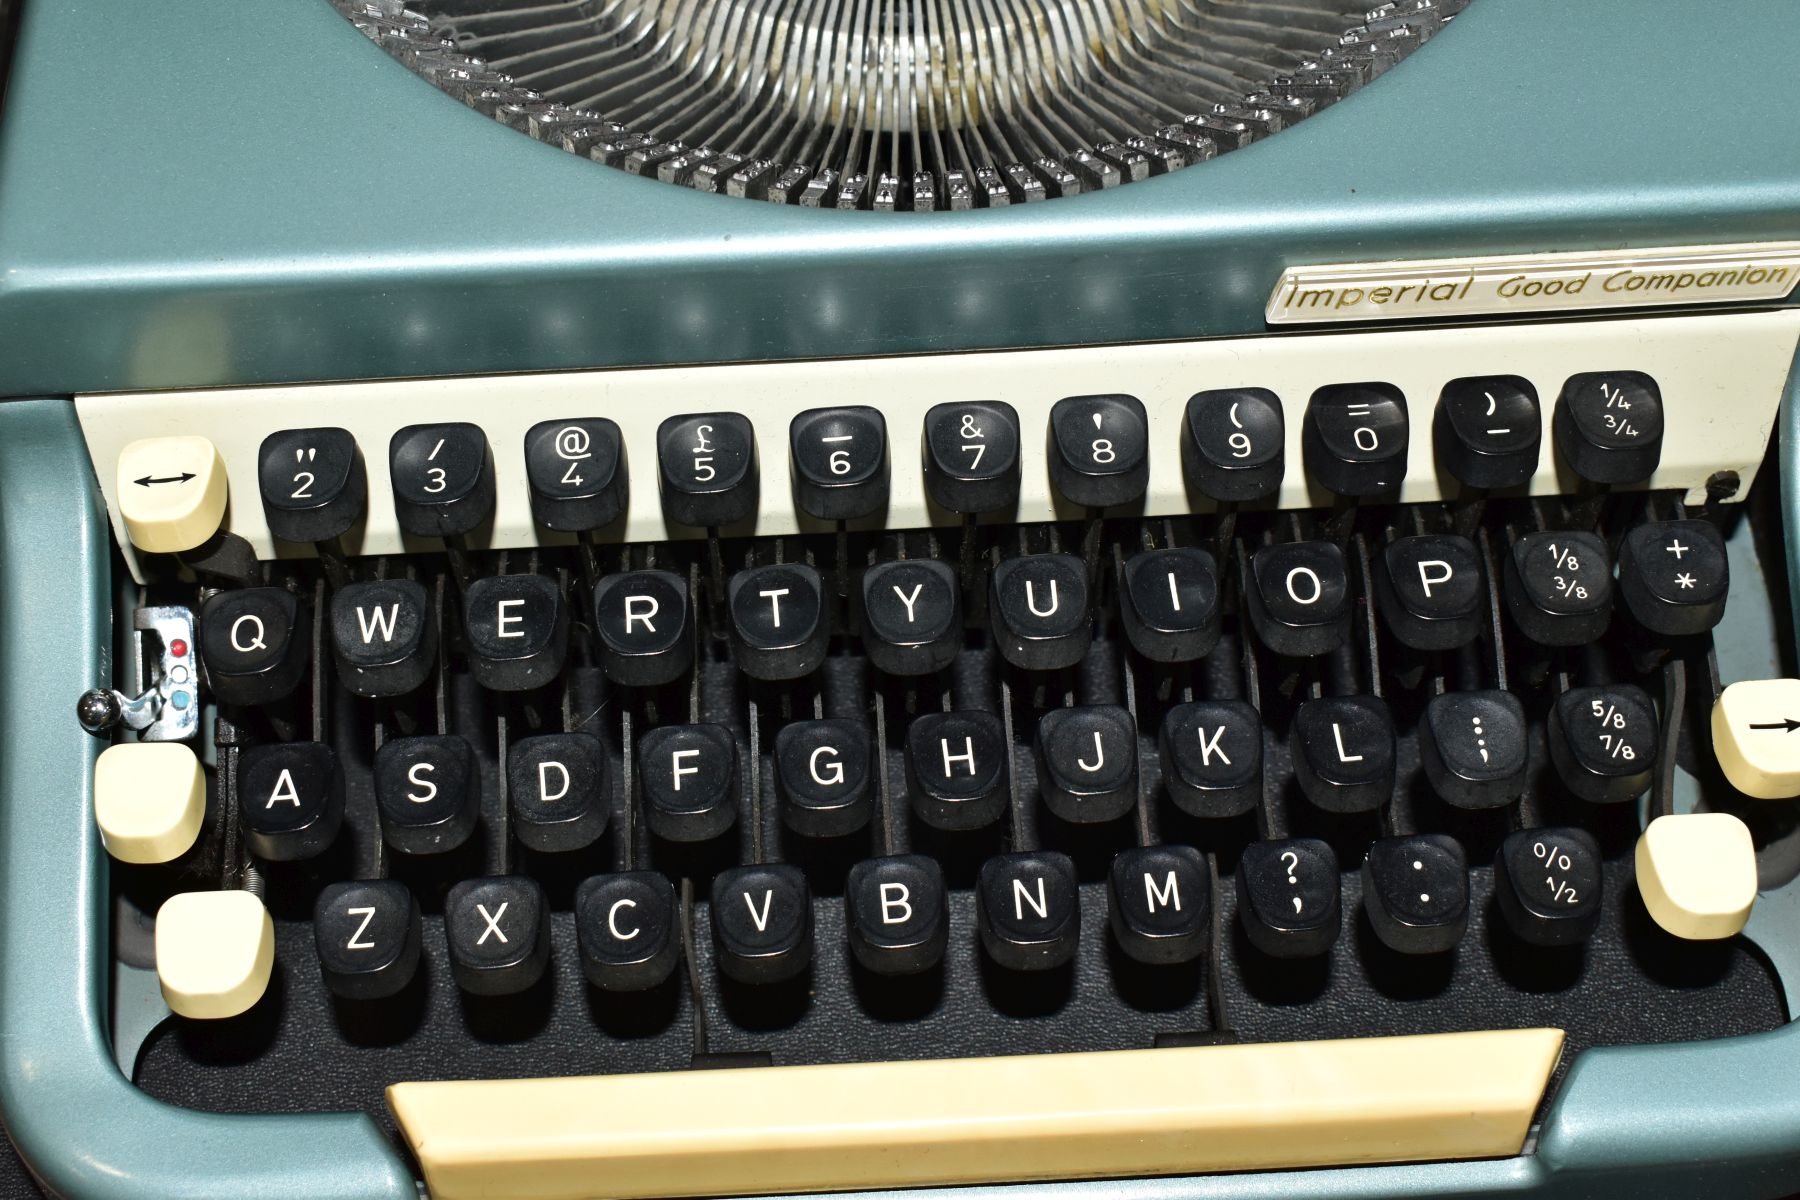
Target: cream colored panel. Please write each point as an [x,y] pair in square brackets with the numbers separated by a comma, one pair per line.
[1697,874]
[214,952]
[149,800]
[170,492]
[1753,728]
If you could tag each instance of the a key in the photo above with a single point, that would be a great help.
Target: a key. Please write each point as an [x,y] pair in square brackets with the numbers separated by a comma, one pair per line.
[627,928]
[956,769]
[1548,885]
[367,937]
[1212,757]
[762,922]
[149,800]
[576,473]
[896,914]
[1416,892]
[644,624]
[707,463]
[171,492]
[912,616]
[840,461]
[1290,897]
[1558,587]
[972,456]
[383,637]
[1039,607]
[1354,438]
[1087,763]
[498,928]
[1603,741]
[1609,426]
[689,777]
[1028,908]
[779,624]
[517,631]
[1299,597]
[1099,450]
[823,774]
[313,483]
[256,644]
[1344,752]
[1674,576]
[556,785]
[1159,903]
[1753,725]
[1697,874]
[1234,444]
[1487,430]
[214,953]
[1474,748]
[428,790]
[1430,590]
[443,479]
[1171,604]
[290,799]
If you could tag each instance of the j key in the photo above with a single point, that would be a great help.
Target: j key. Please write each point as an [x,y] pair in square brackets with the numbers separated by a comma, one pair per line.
[1099,449]
[1171,609]
[1431,591]
[290,799]
[1344,752]
[1087,763]
[643,623]
[762,922]
[823,772]
[956,769]
[779,626]
[1548,885]
[1300,597]
[383,637]
[626,926]
[1159,903]
[1609,426]
[840,461]
[894,908]
[1289,898]
[429,792]
[972,456]
[1473,747]
[1212,757]
[689,776]
[1416,892]
[517,631]
[1558,588]
[1234,444]
[498,928]
[1487,430]
[1674,576]
[912,617]
[367,935]
[1029,909]
[1039,606]
[708,467]
[313,483]
[1354,438]
[557,788]
[443,477]
[255,643]
[1603,741]
[576,473]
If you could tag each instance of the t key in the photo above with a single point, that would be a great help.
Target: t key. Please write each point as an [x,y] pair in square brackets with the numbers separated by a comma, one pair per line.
[575,470]
[956,769]
[1087,763]
[896,914]
[1603,741]
[1171,605]
[367,936]
[972,456]
[708,468]
[383,637]
[1354,438]
[1344,752]
[1039,606]
[1159,903]
[840,462]
[643,624]
[912,616]
[1674,576]
[1431,590]
[1289,897]
[443,479]
[626,925]
[1234,444]
[1609,426]
[290,799]
[256,644]
[313,483]
[1487,430]
[499,933]
[779,626]
[1100,449]
[1558,587]
[517,631]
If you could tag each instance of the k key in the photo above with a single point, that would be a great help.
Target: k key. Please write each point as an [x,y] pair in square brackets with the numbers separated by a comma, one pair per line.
[383,637]
[956,769]
[912,616]
[499,934]
[313,483]
[1212,757]
[517,631]
[367,937]
[628,929]
[644,626]
[256,644]
[443,479]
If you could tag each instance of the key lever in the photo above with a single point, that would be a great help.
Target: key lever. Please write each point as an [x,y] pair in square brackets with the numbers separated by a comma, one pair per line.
[169,709]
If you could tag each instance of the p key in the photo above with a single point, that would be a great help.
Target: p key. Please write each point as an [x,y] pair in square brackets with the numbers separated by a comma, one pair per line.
[517,630]
[383,638]
[367,937]
[1431,590]
[912,616]
[443,479]
[255,643]
[643,623]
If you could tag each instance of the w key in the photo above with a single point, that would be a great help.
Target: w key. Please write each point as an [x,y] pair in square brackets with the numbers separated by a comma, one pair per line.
[383,637]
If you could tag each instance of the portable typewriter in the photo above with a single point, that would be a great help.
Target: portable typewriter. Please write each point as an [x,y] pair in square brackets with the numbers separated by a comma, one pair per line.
[1216,625]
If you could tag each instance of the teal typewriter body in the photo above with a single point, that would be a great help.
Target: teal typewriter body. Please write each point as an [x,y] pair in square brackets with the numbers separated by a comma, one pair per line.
[225,224]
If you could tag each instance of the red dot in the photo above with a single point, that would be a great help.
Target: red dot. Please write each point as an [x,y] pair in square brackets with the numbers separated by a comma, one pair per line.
[178,648]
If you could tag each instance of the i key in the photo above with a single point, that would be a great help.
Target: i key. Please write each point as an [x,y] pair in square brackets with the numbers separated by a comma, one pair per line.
[1099,449]
[1344,752]
[1171,605]
[1212,757]
[1416,892]
[626,927]
[822,773]
[912,616]
[557,789]
[1234,444]
[972,456]
[1087,763]
[255,643]
[840,462]
[1159,903]
[313,483]
[290,799]
[1609,426]
[367,937]
[1028,907]
[707,464]
[1474,748]
[443,479]
[576,472]
[1558,587]
[1487,430]
[428,790]
[956,769]
[498,928]
[779,627]
[1289,897]
[1431,591]
[383,638]
[762,922]
[1039,606]
[1354,438]
[1300,597]
[896,914]
[1548,885]
[517,631]
[689,776]
[1603,741]
[644,625]
[1674,576]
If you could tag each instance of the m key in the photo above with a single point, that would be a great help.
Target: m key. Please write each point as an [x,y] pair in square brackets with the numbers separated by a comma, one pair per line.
[1160,903]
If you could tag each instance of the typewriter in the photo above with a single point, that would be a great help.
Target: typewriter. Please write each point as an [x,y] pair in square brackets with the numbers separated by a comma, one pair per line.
[771,597]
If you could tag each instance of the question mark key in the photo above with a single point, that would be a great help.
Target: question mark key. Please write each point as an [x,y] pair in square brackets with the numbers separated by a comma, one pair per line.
[1289,897]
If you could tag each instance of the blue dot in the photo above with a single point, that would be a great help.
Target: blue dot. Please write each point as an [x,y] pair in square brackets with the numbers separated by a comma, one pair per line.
[179,699]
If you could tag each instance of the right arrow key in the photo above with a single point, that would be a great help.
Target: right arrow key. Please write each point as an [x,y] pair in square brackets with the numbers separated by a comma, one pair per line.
[1756,737]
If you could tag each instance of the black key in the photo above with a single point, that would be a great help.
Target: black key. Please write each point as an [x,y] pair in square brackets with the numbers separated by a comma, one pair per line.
[912,616]
[1099,450]
[313,483]
[1603,741]
[779,625]
[1159,903]
[1473,746]
[498,928]
[443,478]
[1548,885]
[1212,757]
[367,937]
[256,644]
[956,769]
[1431,590]
[1487,430]
[762,922]
[1300,597]
[823,773]
[517,631]
[575,471]
[1674,576]
[1029,909]
[1234,444]
[429,792]
[972,456]
[627,926]
[383,636]
[1609,426]
[1087,762]
[1558,587]
[1344,752]
[1171,608]
[1416,892]
[840,461]
[556,785]
[1289,897]
[1354,438]
[708,467]
[1039,606]
[896,914]
[645,627]
[290,799]
[689,776]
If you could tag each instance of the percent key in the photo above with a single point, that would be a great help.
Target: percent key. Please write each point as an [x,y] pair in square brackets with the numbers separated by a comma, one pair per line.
[1548,885]
[1603,742]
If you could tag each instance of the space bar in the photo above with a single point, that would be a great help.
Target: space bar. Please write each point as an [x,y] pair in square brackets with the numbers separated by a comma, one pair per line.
[980,1120]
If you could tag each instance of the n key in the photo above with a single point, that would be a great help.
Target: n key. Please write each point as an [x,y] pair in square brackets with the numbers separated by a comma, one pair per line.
[1028,906]
[383,637]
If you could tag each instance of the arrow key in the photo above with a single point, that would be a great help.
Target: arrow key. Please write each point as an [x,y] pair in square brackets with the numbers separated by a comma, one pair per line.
[171,492]
[1754,723]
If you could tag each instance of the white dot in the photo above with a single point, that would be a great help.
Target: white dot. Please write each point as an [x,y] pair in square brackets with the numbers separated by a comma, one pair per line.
[1417,865]
[1424,899]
